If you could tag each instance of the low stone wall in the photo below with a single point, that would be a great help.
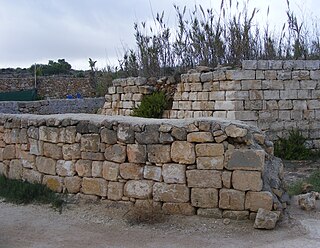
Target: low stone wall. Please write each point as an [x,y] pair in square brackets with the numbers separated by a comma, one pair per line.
[54,106]
[207,167]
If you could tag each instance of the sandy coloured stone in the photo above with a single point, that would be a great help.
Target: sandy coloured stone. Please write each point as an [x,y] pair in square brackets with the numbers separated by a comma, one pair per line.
[204,179]
[71,152]
[159,153]
[246,159]
[110,171]
[72,184]
[68,135]
[94,186]
[54,183]
[137,153]
[210,163]
[174,173]
[65,168]
[179,133]
[51,150]
[83,168]
[266,219]
[141,189]
[231,199]
[226,179]
[215,213]
[209,150]
[15,169]
[204,198]
[90,142]
[247,180]
[28,160]
[9,152]
[236,215]
[46,165]
[171,192]
[115,153]
[178,208]
[115,191]
[153,173]
[97,167]
[36,147]
[200,137]
[256,200]
[98,156]
[183,152]
[131,171]
[49,134]
[235,132]
[31,176]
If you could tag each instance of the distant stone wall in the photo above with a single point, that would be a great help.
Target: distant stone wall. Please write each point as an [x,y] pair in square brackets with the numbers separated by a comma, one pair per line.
[207,167]
[53,106]
[49,87]
[276,96]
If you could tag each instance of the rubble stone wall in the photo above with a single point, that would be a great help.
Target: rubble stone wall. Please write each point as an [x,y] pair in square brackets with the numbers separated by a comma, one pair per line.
[207,166]
[276,96]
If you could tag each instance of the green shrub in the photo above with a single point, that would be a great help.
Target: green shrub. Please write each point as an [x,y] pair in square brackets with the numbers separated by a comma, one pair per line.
[152,106]
[293,147]
[296,188]
[20,192]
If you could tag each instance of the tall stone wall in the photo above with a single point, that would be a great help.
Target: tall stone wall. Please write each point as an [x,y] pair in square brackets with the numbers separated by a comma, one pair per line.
[276,96]
[49,87]
[208,167]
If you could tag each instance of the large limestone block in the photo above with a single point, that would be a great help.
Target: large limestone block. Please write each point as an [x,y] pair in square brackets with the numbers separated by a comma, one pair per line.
[9,152]
[210,163]
[49,134]
[226,179]
[90,142]
[115,191]
[33,132]
[71,152]
[171,192]
[36,147]
[110,171]
[152,173]
[178,208]
[108,136]
[46,165]
[141,189]
[246,159]
[84,168]
[94,186]
[247,180]
[209,150]
[65,168]
[68,135]
[174,173]
[131,171]
[15,169]
[28,160]
[116,153]
[149,136]
[54,183]
[200,137]
[97,167]
[256,200]
[266,219]
[235,132]
[137,153]
[204,198]
[31,176]
[72,184]
[159,154]
[204,179]
[51,150]
[125,134]
[231,199]
[183,152]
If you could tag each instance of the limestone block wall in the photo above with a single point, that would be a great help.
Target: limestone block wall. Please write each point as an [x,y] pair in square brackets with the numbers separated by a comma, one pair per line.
[276,96]
[208,166]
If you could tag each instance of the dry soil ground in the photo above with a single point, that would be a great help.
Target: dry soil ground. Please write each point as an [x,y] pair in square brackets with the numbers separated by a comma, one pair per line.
[99,225]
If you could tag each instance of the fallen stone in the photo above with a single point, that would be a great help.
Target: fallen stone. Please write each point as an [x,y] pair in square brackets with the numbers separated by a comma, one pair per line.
[266,219]
[307,201]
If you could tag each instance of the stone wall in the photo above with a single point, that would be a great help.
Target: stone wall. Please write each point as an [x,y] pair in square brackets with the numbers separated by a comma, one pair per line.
[49,87]
[53,106]
[207,167]
[276,96]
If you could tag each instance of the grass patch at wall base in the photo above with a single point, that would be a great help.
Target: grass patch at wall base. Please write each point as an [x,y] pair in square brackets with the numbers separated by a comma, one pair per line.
[20,192]
[297,187]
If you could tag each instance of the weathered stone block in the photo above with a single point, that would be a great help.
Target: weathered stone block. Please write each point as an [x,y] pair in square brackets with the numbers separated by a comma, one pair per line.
[200,137]
[215,213]
[178,208]
[65,168]
[183,152]
[83,168]
[98,156]
[115,191]
[171,192]
[9,152]
[15,169]
[174,173]
[49,134]
[28,160]
[52,150]
[256,200]
[166,138]
[108,136]
[149,136]
[46,165]
[31,176]
[236,215]
[153,173]
[54,183]
[204,198]
[36,147]
[159,154]
[141,189]
[210,163]
[116,153]
[266,219]
[137,153]
[226,179]
[72,184]
[90,142]
[33,132]
[97,167]
[3,169]
[246,159]
[247,180]
[110,171]
[131,171]
[235,132]
[71,152]
[125,134]
[179,133]
[204,178]
[209,150]
[231,199]
[94,186]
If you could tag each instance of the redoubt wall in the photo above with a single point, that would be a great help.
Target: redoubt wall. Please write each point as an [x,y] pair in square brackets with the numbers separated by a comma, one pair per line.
[276,96]
[208,166]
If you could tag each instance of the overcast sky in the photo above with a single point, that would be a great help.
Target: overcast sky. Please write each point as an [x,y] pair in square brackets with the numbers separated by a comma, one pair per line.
[34,31]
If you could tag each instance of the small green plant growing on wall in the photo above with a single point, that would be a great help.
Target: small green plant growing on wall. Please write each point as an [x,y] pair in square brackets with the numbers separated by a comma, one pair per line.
[152,106]
[293,147]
